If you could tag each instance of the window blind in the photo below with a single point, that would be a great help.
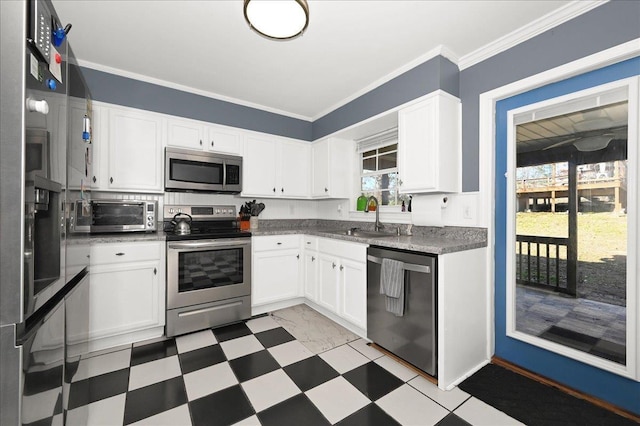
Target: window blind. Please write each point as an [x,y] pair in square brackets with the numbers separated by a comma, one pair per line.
[377,140]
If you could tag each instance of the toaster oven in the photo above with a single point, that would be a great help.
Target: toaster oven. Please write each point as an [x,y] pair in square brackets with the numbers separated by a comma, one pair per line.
[114,216]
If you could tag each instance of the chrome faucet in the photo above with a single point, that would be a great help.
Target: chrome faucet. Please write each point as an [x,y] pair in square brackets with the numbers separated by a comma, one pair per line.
[378,226]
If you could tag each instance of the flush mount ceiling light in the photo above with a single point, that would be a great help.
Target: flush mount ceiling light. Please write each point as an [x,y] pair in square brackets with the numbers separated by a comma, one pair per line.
[277,19]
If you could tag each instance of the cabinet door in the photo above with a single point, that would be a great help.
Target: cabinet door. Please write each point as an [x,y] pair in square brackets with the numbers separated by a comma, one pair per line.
[259,167]
[429,151]
[417,146]
[225,141]
[185,134]
[320,156]
[353,292]
[124,298]
[328,282]
[294,169]
[311,275]
[334,163]
[135,151]
[275,276]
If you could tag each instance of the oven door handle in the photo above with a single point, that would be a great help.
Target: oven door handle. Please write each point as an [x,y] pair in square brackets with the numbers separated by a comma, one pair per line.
[203,245]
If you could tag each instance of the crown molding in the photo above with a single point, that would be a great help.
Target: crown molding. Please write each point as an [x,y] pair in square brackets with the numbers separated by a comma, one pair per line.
[188,89]
[526,32]
[437,51]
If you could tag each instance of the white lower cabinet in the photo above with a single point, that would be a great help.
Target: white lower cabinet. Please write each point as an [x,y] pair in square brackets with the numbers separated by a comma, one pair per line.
[328,281]
[127,293]
[353,292]
[277,268]
[341,279]
[311,262]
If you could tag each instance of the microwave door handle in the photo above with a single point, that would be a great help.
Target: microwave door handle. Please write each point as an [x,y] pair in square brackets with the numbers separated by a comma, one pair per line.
[224,173]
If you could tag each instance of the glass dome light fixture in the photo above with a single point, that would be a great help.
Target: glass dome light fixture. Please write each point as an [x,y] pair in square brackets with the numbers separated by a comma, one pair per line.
[277,19]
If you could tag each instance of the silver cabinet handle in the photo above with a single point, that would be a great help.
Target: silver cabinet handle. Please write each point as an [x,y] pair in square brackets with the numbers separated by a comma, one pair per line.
[200,142]
[120,254]
[313,258]
[333,265]
[274,189]
[282,190]
[94,179]
[341,267]
[279,243]
[297,256]
[111,180]
[212,143]
[155,271]
[326,190]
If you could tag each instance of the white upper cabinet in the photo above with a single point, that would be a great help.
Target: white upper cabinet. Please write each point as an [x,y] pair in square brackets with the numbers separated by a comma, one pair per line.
[221,139]
[333,166]
[135,151]
[275,167]
[293,170]
[183,133]
[429,145]
[259,167]
[198,135]
[127,149]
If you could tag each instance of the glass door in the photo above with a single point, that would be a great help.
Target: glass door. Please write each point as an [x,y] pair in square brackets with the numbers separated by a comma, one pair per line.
[566,214]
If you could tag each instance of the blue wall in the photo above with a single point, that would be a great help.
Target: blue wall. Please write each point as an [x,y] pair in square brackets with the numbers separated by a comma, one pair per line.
[436,73]
[125,91]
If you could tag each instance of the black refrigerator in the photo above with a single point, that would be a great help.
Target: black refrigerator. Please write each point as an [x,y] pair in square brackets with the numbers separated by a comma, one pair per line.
[45,152]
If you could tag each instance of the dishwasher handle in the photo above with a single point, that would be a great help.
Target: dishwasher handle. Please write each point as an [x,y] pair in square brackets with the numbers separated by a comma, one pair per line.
[424,269]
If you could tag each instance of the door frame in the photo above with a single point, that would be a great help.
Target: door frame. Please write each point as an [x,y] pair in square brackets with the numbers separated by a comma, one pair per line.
[630,368]
[487,148]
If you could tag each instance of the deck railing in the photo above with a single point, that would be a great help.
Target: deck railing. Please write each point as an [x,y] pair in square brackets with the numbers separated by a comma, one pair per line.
[542,262]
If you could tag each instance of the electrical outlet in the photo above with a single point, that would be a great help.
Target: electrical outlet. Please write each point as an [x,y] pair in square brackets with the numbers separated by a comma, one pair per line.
[466,212]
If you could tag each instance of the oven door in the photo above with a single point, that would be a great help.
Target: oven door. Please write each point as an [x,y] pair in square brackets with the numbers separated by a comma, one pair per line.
[204,271]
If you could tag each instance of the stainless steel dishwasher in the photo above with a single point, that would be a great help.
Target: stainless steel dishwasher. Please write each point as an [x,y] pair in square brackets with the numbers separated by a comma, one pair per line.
[411,336]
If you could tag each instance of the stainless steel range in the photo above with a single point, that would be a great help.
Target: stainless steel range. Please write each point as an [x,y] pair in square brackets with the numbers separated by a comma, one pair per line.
[208,268]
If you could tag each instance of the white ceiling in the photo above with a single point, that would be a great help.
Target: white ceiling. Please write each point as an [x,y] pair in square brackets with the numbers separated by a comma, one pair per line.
[350,46]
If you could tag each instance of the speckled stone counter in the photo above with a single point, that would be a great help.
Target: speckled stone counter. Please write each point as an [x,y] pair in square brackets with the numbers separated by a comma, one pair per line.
[422,239]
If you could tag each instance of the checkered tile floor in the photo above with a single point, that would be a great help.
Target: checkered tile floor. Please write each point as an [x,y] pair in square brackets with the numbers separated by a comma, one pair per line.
[256,373]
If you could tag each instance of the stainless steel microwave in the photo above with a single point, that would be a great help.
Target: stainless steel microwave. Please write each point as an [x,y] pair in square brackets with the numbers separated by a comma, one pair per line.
[187,170]
[114,216]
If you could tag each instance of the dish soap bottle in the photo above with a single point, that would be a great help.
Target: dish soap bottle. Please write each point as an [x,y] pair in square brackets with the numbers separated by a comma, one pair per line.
[361,203]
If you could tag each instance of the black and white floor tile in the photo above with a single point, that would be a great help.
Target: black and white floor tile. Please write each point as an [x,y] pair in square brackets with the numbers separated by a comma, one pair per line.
[256,373]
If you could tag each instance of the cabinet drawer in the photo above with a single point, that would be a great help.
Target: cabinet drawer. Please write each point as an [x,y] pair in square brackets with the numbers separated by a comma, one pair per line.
[342,249]
[309,243]
[276,242]
[125,252]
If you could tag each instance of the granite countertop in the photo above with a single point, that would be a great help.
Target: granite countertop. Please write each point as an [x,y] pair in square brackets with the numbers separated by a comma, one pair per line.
[425,239]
